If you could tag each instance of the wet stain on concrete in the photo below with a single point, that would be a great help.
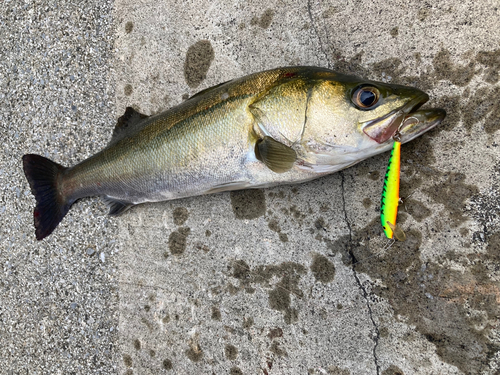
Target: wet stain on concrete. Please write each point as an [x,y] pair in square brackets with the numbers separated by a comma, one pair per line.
[416,209]
[394,32]
[216,315]
[453,193]
[231,352]
[275,348]
[322,269]
[483,104]
[335,370]
[265,19]
[275,333]
[235,371]
[137,344]
[199,57]
[457,74]
[393,370]
[180,214]
[275,227]
[248,204]
[367,202]
[129,26]
[167,364]
[177,240]
[127,360]
[450,308]
[279,297]
[127,90]
[492,62]
[247,322]
[194,355]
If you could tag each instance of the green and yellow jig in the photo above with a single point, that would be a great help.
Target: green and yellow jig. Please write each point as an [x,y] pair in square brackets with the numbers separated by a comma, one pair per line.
[390,195]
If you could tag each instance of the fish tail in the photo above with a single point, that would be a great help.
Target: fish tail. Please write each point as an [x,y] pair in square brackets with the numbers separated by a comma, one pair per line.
[44,177]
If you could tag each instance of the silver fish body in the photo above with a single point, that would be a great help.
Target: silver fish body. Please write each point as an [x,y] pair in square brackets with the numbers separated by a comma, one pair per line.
[280,126]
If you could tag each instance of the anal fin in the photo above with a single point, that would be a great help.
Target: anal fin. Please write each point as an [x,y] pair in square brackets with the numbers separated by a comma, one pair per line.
[117,207]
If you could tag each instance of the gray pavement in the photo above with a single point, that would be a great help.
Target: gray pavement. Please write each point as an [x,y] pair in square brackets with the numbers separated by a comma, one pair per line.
[289,280]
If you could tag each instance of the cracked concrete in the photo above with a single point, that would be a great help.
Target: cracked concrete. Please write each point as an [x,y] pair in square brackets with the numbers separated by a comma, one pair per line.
[294,279]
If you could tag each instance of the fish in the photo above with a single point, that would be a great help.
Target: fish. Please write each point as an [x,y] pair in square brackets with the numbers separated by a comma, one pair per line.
[280,126]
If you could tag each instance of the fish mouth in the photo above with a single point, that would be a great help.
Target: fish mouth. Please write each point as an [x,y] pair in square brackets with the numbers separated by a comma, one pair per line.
[408,122]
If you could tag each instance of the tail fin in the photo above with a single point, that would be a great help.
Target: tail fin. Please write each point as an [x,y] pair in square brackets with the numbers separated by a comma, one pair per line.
[43,176]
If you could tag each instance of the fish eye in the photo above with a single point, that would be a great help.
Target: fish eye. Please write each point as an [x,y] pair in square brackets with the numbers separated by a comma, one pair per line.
[365,97]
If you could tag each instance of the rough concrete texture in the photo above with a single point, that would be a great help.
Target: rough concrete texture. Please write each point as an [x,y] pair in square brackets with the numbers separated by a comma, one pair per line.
[289,280]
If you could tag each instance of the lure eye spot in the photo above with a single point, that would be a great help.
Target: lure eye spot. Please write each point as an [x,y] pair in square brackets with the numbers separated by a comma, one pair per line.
[365,97]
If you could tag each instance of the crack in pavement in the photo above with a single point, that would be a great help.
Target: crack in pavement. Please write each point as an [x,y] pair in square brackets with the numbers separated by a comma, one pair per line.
[356,277]
[313,24]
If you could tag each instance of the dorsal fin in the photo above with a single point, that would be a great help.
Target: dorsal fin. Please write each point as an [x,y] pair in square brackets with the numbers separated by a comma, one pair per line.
[129,123]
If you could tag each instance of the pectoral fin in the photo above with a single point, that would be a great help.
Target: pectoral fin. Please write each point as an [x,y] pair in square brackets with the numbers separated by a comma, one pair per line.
[275,155]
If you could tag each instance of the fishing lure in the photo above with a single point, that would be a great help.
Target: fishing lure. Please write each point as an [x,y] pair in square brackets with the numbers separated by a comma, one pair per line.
[390,195]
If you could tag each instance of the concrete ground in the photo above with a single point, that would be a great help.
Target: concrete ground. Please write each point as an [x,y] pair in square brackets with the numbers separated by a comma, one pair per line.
[289,280]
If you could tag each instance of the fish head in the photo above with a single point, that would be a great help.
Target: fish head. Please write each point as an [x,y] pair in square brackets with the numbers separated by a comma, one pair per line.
[350,119]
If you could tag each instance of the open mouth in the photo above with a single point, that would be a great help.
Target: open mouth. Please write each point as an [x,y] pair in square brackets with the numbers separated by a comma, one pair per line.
[409,121]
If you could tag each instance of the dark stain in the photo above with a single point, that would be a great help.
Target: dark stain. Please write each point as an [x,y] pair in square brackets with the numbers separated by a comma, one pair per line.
[208,233]
[194,355]
[384,332]
[199,57]
[453,193]
[416,209]
[320,223]
[248,204]
[283,237]
[127,90]
[231,352]
[367,202]
[456,74]
[483,104]
[147,308]
[167,364]
[177,241]
[129,372]
[435,299]
[152,353]
[247,322]
[394,31]
[334,370]
[451,104]
[275,227]
[322,269]
[329,12]
[274,333]
[277,350]
[279,295]
[166,319]
[423,13]
[137,344]
[374,175]
[265,19]
[235,371]
[216,315]
[129,26]
[393,370]
[127,360]
[180,214]
[492,62]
